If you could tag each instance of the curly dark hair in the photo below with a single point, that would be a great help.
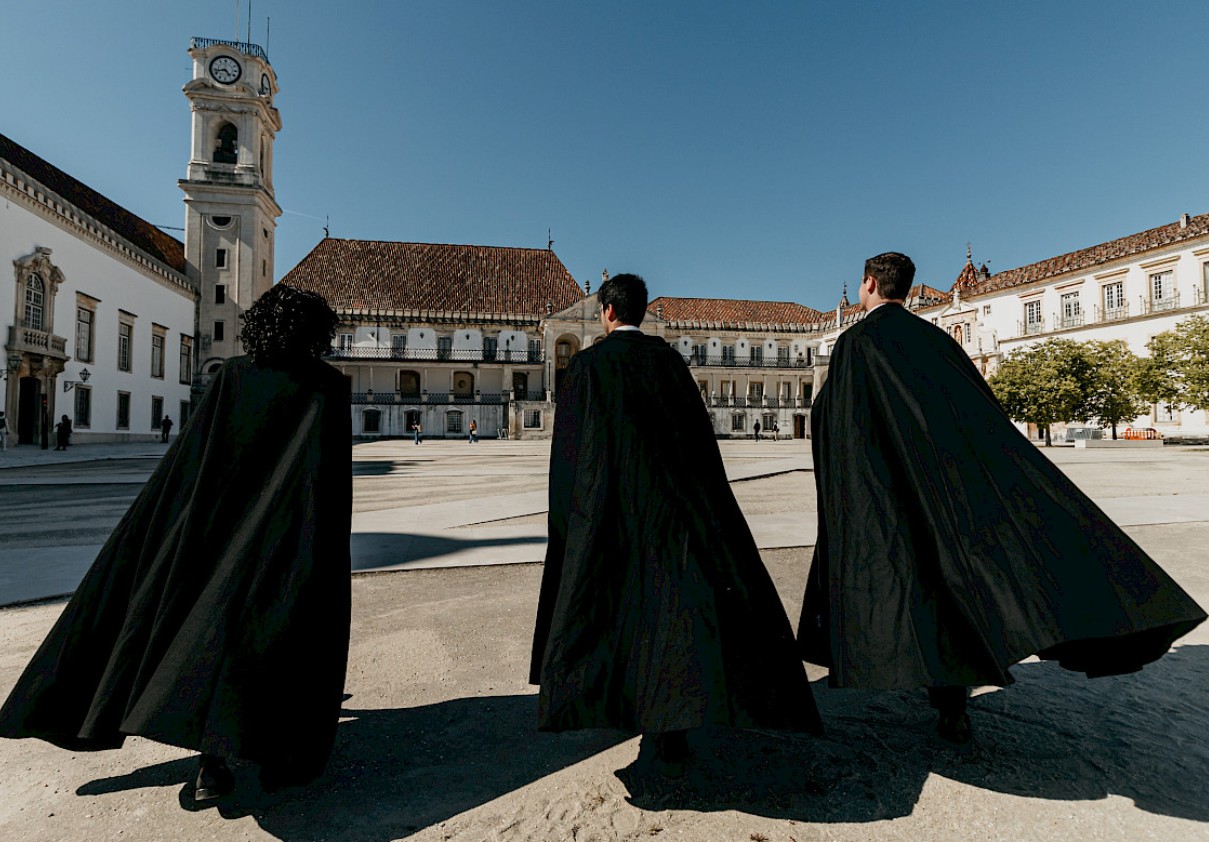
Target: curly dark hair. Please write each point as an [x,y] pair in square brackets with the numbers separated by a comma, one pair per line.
[287,323]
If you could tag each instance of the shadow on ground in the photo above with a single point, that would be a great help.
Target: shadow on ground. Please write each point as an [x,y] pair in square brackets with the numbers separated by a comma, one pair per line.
[395,772]
[1052,735]
[398,551]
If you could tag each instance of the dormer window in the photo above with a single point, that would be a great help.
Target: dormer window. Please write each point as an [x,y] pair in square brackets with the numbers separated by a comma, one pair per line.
[227,151]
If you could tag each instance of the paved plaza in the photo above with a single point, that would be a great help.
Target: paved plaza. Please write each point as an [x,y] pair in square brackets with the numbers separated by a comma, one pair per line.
[438,741]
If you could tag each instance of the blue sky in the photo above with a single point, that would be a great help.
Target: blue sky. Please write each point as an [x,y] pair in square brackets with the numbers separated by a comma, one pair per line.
[741,150]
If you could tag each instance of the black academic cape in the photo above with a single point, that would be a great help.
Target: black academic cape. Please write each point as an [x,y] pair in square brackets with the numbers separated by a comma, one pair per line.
[656,613]
[949,547]
[216,616]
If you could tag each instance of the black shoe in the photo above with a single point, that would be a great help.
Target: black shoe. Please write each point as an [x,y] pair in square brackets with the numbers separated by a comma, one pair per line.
[956,730]
[667,753]
[214,779]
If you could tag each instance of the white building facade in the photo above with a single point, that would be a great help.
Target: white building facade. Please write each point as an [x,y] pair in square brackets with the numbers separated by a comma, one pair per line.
[99,311]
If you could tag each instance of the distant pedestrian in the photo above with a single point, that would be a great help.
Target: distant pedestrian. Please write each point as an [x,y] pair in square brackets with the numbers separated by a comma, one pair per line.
[776,432]
[757,429]
[417,431]
[165,428]
[3,432]
[63,433]
[474,432]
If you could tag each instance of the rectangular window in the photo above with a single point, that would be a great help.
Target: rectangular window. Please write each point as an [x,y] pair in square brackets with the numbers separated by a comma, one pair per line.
[453,422]
[755,391]
[186,361]
[220,258]
[371,421]
[123,411]
[157,355]
[220,331]
[1162,290]
[398,345]
[1072,310]
[738,423]
[185,408]
[728,354]
[783,356]
[84,319]
[444,347]
[157,412]
[1114,301]
[757,355]
[125,331]
[986,309]
[535,353]
[533,419]
[220,293]
[1032,316]
[344,341]
[490,344]
[83,406]
[699,354]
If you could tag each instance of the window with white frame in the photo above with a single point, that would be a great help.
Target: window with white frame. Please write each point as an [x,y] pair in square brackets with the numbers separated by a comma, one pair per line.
[1072,310]
[755,391]
[738,422]
[1162,290]
[85,338]
[157,353]
[344,341]
[186,361]
[35,301]
[757,355]
[125,334]
[1114,300]
[1033,323]
[83,406]
[728,353]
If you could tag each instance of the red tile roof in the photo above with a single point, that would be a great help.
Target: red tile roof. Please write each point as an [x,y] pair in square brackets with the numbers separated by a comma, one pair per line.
[151,240]
[922,295]
[376,275]
[732,311]
[1077,261]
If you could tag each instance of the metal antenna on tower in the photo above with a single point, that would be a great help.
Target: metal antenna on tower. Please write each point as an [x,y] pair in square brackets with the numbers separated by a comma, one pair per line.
[249,21]
[326,223]
[267,22]
[549,241]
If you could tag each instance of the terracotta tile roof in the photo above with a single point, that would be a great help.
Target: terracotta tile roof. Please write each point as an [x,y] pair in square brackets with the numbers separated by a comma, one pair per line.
[1077,261]
[732,311]
[922,295]
[158,245]
[372,274]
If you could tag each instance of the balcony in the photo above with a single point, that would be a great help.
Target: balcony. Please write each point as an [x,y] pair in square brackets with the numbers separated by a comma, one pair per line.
[747,402]
[383,353]
[30,340]
[375,398]
[1162,305]
[712,361]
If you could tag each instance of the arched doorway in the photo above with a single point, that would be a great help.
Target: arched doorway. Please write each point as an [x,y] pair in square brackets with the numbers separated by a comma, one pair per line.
[410,419]
[566,347]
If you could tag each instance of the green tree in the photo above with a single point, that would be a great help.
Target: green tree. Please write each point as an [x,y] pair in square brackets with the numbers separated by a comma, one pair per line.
[1113,394]
[1045,383]
[1177,371]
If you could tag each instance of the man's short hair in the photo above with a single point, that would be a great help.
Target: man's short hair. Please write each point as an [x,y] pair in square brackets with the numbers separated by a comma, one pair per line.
[627,293]
[894,274]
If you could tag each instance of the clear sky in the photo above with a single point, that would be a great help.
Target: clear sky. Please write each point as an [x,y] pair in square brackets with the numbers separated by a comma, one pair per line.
[738,149]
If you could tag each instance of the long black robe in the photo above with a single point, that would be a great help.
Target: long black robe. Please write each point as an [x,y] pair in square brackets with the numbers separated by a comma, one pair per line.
[656,613]
[216,616]
[949,547]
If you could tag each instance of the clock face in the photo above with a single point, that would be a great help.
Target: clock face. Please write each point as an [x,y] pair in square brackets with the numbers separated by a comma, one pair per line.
[225,69]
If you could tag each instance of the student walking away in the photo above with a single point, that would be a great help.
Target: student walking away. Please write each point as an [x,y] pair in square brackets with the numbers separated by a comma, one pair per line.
[656,614]
[216,616]
[165,428]
[474,432]
[63,433]
[949,547]
[756,427]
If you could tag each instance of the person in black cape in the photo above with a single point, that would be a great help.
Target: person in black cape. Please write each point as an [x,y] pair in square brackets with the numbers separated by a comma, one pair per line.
[656,614]
[949,547]
[216,616]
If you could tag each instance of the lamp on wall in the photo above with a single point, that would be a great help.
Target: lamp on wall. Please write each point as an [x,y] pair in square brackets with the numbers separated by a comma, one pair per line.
[14,365]
[68,385]
[369,395]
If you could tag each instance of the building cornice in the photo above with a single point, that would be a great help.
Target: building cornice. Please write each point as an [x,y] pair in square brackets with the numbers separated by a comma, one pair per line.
[30,193]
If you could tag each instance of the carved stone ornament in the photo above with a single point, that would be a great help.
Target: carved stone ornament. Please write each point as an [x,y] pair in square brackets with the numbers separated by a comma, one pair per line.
[39,262]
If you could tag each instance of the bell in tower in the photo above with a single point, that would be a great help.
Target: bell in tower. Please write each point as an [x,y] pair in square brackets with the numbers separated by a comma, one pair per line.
[231,213]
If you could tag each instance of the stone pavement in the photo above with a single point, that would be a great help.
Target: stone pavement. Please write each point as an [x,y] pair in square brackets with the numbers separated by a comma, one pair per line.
[480,526]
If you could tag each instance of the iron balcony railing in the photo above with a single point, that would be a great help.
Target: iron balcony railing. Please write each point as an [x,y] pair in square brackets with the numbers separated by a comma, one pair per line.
[750,362]
[1161,305]
[244,47]
[476,355]
[748,402]
[376,398]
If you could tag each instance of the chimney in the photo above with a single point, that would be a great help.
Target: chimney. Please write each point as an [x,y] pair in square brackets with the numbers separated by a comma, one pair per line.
[1183,220]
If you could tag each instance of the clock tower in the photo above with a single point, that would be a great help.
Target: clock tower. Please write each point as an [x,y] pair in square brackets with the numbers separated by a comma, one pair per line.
[231,213]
